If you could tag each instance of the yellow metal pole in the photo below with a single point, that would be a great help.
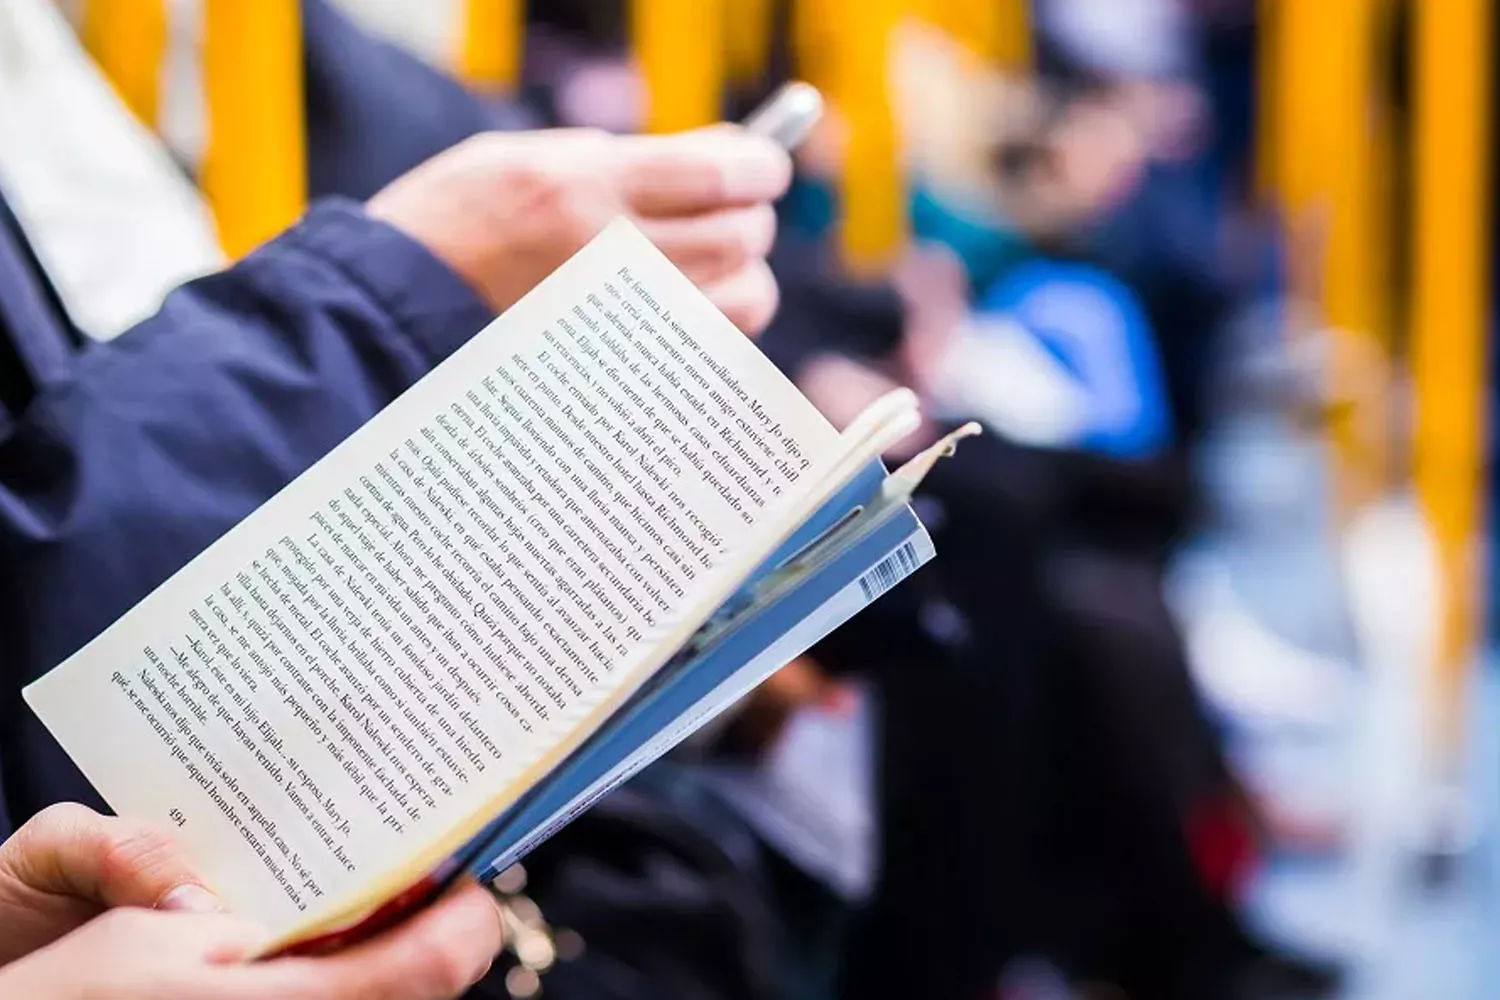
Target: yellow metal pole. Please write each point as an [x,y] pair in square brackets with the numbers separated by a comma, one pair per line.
[1448,322]
[749,39]
[998,31]
[491,43]
[255,165]
[814,39]
[1320,128]
[128,39]
[1355,288]
[1010,40]
[681,48]
[873,189]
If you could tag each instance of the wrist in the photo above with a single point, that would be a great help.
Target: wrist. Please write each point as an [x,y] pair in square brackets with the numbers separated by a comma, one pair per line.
[431,302]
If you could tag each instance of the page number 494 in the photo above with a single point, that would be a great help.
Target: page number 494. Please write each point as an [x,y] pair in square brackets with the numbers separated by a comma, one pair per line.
[177,816]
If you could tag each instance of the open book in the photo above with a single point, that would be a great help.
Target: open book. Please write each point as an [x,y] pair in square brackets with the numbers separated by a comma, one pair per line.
[593,528]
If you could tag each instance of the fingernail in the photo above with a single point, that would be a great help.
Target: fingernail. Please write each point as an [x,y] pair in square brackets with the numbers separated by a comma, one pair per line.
[756,172]
[190,897]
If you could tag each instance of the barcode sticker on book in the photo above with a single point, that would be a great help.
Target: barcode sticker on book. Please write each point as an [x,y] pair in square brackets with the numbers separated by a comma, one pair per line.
[890,571]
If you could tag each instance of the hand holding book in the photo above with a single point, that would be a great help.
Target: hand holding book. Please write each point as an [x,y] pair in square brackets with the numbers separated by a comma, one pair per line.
[111,906]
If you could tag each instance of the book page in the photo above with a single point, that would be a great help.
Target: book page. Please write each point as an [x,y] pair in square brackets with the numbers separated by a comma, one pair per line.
[405,633]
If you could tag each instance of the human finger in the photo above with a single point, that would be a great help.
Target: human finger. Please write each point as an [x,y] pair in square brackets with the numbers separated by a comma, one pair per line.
[693,172]
[437,954]
[134,953]
[714,245]
[70,850]
[749,297]
[131,936]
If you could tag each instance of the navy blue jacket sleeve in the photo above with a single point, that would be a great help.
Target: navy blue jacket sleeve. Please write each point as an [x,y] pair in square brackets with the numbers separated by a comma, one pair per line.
[161,441]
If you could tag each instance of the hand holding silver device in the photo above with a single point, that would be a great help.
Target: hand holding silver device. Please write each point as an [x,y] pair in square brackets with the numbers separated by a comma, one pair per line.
[788,116]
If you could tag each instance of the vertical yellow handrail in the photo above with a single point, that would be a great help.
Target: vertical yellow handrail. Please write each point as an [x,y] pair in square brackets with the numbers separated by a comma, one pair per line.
[1322,139]
[814,28]
[254,171]
[749,39]
[873,186]
[1011,40]
[491,42]
[1448,327]
[998,31]
[128,39]
[680,46]
[1355,289]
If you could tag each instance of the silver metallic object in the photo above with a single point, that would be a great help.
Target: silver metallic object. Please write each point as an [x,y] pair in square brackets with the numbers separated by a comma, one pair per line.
[788,116]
